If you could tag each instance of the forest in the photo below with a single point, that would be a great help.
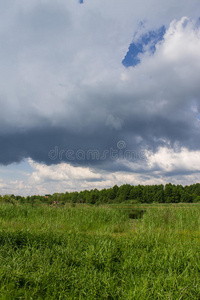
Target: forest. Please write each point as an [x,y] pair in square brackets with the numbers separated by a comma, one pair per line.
[126,193]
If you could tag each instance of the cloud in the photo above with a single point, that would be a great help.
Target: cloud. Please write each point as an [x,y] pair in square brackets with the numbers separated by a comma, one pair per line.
[160,84]
[162,167]
[155,103]
[63,84]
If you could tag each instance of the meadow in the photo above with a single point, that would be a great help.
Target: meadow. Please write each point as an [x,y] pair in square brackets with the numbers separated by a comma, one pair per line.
[98,252]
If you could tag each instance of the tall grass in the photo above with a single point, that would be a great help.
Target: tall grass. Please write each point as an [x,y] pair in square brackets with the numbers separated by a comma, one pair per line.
[64,219]
[173,217]
[98,253]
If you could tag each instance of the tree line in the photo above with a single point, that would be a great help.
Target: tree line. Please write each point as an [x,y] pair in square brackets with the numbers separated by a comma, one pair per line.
[169,193]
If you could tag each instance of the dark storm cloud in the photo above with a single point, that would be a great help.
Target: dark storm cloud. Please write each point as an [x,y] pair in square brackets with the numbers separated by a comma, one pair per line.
[157,131]
[63,87]
[98,148]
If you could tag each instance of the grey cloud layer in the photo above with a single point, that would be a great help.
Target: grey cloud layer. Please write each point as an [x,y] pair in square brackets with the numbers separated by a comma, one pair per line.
[63,84]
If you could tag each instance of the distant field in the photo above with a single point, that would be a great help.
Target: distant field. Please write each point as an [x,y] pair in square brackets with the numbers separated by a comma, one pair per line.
[90,252]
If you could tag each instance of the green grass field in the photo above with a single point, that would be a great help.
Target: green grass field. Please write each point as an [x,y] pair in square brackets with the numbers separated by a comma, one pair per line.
[99,253]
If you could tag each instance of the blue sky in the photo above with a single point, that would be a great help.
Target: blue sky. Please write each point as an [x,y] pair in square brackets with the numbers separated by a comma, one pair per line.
[114,85]
[145,42]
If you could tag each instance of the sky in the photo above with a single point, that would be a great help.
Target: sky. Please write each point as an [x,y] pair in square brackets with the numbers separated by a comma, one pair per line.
[97,93]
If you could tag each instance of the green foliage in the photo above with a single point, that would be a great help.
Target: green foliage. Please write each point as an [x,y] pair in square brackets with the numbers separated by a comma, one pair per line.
[196,199]
[169,193]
